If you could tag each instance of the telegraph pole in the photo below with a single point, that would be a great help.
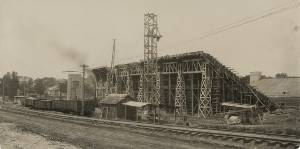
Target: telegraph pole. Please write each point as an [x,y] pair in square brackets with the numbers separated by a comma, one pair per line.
[3,89]
[84,66]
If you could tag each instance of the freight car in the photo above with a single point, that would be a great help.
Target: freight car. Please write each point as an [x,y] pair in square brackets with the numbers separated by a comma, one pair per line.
[43,104]
[74,106]
[66,106]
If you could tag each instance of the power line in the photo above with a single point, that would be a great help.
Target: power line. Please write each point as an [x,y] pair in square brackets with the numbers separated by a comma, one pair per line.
[239,23]
[244,19]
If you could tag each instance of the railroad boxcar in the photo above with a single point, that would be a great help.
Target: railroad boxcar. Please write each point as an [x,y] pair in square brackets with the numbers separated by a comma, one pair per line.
[89,107]
[43,104]
[29,102]
[58,105]
[73,106]
[66,106]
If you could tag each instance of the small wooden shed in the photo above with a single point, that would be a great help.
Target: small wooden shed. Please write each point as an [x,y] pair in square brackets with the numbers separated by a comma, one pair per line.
[136,110]
[112,107]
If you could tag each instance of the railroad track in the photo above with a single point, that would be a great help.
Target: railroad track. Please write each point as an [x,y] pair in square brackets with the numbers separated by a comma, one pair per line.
[280,141]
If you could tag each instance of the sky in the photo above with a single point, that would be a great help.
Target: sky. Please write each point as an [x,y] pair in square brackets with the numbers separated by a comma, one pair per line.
[40,38]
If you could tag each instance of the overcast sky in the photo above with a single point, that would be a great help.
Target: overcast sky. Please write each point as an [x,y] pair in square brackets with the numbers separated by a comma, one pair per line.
[45,37]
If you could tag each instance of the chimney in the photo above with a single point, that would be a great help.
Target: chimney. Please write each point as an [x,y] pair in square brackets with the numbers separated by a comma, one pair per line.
[254,76]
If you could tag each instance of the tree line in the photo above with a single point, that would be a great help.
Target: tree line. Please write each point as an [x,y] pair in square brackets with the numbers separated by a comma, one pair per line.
[22,85]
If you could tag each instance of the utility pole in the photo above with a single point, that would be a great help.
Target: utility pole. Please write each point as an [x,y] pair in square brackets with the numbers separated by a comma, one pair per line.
[3,89]
[84,66]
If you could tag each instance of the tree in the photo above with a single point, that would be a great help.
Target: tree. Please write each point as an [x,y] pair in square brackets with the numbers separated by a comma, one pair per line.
[39,86]
[14,84]
[90,85]
[49,82]
[63,86]
[1,86]
[25,85]
[11,84]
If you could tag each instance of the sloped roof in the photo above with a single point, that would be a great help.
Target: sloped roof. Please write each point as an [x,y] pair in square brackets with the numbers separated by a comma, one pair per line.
[115,98]
[31,98]
[136,104]
[279,87]
[55,87]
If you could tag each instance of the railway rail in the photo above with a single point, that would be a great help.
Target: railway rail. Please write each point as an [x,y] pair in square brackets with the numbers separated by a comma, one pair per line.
[284,141]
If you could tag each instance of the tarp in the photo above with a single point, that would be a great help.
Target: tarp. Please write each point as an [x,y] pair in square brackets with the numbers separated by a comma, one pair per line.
[136,104]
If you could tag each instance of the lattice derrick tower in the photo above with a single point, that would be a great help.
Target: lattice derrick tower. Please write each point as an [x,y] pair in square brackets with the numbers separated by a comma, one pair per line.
[129,84]
[150,79]
[180,98]
[112,82]
[204,103]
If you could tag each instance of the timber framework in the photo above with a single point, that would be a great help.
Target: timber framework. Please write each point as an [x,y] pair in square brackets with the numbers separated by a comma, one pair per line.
[193,83]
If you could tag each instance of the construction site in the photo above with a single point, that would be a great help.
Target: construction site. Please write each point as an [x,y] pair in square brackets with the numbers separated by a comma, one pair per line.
[186,85]
[189,100]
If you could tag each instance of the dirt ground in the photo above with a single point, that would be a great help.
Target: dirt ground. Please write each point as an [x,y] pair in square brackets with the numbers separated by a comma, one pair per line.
[92,137]
[12,137]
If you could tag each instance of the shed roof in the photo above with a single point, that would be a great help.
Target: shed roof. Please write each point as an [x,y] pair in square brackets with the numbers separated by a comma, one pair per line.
[31,98]
[115,98]
[136,104]
[231,104]
[279,87]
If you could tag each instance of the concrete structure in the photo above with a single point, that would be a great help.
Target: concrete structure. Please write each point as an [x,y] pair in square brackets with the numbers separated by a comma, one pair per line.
[282,91]
[187,84]
[195,82]
[74,87]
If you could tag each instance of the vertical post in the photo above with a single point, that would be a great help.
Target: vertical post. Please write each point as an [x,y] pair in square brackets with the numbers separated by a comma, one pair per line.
[116,110]
[3,89]
[125,111]
[83,75]
[154,115]
[137,114]
[223,94]
[24,94]
[192,92]
[106,112]
[169,92]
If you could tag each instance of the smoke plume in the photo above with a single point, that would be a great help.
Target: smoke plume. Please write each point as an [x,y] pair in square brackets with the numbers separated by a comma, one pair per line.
[69,53]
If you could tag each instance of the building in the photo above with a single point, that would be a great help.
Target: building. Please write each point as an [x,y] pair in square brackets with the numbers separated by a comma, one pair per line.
[74,87]
[113,108]
[284,91]
[54,93]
